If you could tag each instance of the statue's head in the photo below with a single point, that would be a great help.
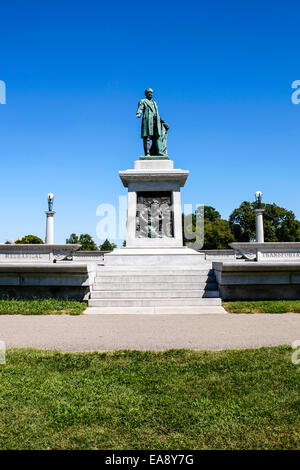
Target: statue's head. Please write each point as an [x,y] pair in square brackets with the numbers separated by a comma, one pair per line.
[149,93]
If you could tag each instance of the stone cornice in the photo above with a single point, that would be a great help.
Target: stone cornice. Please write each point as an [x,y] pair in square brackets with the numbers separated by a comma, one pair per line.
[174,175]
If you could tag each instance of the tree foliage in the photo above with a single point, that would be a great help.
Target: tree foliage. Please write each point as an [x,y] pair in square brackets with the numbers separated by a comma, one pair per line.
[73,238]
[211,214]
[30,239]
[87,243]
[85,240]
[217,231]
[217,234]
[107,246]
[280,225]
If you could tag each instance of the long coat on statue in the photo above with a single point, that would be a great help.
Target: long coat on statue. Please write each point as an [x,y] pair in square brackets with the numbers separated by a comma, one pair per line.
[149,109]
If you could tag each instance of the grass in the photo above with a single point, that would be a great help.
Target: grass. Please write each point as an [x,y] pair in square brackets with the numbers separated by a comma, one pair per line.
[263,306]
[178,399]
[41,307]
[72,307]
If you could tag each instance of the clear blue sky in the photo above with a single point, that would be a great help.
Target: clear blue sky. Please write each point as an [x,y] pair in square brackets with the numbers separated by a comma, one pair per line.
[74,71]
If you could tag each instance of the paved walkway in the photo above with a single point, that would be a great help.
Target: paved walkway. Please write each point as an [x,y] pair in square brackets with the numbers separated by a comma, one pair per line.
[156,332]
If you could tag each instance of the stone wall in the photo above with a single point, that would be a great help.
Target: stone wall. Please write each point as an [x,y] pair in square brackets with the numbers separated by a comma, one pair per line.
[40,253]
[215,255]
[258,281]
[269,251]
[60,280]
[89,256]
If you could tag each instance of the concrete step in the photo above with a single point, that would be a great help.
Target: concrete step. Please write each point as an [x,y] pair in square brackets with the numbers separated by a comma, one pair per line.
[175,302]
[160,278]
[152,266]
[184,310]
[146,270]
[163,294]
[165,286]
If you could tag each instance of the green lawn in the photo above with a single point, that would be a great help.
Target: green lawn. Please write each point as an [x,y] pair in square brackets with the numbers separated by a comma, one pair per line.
[247,399]
[41,307]
[263,306]
[71,307]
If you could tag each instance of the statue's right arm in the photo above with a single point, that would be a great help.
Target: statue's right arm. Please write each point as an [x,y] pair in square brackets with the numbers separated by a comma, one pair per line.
[140,109]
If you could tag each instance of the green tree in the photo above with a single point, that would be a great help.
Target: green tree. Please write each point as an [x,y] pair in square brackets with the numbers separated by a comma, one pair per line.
[217,234]
[242,222]
[217,231]
[107,246]
[85,240]
[280,225]
[210,214]
[73,238]
[30,239]
[87,243]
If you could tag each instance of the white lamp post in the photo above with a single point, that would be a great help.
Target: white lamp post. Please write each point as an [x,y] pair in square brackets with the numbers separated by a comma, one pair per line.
[259,219]
[49,240]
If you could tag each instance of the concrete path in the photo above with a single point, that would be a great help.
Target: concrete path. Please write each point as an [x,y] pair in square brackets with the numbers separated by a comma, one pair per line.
[156,332]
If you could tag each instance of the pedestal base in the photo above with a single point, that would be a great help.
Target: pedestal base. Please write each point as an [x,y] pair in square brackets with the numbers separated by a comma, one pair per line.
[154,157]
[165,257]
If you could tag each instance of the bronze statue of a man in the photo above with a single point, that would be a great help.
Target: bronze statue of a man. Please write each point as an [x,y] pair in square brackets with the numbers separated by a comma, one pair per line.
[153,126]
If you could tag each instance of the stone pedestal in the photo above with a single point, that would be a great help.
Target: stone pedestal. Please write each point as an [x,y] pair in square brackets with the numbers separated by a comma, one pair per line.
[49,240]
[153,179]
[154,216]
[180,256]
[259,225]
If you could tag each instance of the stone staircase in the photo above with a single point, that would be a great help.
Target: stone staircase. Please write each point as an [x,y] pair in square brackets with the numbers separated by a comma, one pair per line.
[155,289]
